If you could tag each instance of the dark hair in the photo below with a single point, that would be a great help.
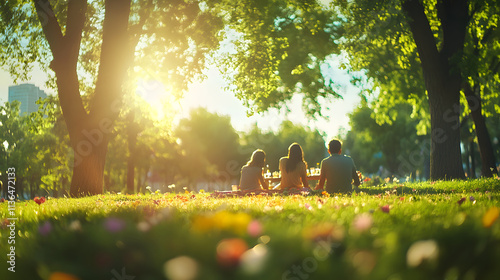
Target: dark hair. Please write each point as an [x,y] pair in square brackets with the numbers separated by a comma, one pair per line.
[258,158]
[334,146]
[295,155]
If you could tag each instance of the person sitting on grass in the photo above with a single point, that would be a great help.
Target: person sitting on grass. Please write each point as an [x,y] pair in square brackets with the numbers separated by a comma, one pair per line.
[293,169]
[338,170]
[252,178]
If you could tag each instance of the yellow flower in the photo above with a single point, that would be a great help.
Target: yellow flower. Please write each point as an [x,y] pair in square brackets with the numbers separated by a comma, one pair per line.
[62,276]
[203,223]
[223,220]
[490,216]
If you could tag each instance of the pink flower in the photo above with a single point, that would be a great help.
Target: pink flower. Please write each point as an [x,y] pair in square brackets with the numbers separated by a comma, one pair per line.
[363,222]
[254,228]
[385,208]
[308,206]
[114,224]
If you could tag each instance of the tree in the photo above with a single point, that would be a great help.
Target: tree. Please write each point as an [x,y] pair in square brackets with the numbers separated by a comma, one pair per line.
[80,37]
[405,44]
[209,146]
[279,49]
[395,146]
[408,48]
[33,146]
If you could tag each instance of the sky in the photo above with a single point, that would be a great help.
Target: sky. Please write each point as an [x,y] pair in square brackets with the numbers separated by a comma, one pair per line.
[210,94]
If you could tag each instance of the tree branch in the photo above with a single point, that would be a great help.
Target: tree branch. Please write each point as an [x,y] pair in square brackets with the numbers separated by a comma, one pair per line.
[50,26]
[421,30]
[74,28]
[114,58]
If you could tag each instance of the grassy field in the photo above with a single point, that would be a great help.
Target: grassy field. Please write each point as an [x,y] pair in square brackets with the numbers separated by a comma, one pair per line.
[441,230]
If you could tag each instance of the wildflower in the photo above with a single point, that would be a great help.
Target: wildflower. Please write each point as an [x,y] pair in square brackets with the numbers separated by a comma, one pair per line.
[367,179]
[229,251]
[324,232]
[114,224]
[462,200]
[39,200]
[182,267]
[254,228]
[2,200]
[202,191]
[420,251]
[325,194]
[385,208]
[308,206]
[62,276]
[75,225]
[45,228]
[471,198]
[490,216]
[363,222]
[255,259]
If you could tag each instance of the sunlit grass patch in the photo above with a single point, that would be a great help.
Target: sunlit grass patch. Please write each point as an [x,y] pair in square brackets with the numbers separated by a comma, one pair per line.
[405,231]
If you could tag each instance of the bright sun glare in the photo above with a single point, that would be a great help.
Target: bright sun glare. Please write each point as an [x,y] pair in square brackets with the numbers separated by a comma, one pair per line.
[162,102]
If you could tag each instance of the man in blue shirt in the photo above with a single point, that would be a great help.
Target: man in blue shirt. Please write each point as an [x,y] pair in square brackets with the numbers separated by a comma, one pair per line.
[338,170]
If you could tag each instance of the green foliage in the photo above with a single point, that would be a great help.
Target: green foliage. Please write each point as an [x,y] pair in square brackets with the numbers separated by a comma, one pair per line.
[209,145]
[279,50]
[36,147]
[372,145]
[411,231]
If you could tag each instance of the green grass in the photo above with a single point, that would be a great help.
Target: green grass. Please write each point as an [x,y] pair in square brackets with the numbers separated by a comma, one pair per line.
[308,236]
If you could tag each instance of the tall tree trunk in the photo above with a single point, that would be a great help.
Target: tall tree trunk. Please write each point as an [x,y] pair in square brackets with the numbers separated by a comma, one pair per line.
[88,132]
[483,137]
[441,80]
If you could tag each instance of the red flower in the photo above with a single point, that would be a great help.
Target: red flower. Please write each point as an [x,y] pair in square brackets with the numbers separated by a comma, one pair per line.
[367,179]
[385,208]
[39,200]
[229,251]
[2,200]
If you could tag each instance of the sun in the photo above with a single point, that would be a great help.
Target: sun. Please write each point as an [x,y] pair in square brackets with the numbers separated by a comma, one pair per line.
[162,103]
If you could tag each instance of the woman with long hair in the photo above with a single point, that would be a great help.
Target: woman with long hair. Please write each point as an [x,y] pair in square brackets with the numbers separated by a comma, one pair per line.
[293,169]
[252,178]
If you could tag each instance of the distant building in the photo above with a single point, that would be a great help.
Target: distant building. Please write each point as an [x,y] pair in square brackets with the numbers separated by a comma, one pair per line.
[27,94]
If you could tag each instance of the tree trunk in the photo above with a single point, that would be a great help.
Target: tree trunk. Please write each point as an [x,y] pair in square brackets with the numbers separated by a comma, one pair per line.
[132,132]
[483,137]
[90,157]
[88,132]
[442,81]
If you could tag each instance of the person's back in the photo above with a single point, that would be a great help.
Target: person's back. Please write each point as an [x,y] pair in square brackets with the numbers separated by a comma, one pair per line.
[338,170]
[251,174]
[250,178]
[292,179]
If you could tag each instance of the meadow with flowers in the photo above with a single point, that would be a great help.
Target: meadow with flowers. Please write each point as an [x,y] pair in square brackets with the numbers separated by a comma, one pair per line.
[431,230]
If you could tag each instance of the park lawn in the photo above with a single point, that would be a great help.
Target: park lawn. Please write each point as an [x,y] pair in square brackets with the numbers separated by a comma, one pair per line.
[438,230]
